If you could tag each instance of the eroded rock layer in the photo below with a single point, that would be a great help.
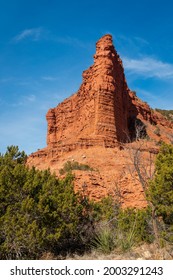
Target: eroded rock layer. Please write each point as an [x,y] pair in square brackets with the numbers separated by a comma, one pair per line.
[96,120]
[97,113]
[102,113]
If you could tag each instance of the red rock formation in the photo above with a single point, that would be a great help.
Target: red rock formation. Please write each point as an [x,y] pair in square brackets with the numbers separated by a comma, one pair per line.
[102,114]
[97,113]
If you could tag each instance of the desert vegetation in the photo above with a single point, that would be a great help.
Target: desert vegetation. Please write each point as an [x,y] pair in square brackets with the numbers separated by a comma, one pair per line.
[41,214]
[167,113]
[74,165]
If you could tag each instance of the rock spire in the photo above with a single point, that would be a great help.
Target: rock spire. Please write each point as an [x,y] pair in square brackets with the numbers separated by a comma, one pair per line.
[97,113]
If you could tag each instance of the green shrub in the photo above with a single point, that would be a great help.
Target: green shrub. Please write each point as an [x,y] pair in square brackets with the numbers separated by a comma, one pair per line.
[104,239]
[121,228]
[134,226]
[166,113]
[38,212]
[105,219]
[161,187]
[106,209]
[70,165]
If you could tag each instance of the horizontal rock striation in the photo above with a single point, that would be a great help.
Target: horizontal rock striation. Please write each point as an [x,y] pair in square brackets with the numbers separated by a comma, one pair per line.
[96,120]
[103,111]
[97,113]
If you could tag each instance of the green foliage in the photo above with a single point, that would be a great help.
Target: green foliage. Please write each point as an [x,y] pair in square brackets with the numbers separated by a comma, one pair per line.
[161,187]
[121,228]
[38,212]
[70,165]
[106,212]
[167,113]
[104,239]
[107,209]
[134,226]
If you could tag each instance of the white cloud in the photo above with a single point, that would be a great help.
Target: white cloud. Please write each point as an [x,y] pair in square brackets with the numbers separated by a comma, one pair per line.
[72,41]
[141,41]
[31,98]
[33,33]
[50,78]
[23,101]
[148,67]
[132,41]
[131,45]
[17,104]
[5,80]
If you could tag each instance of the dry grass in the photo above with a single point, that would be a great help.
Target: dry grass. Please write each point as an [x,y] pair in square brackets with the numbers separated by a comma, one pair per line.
[142,252]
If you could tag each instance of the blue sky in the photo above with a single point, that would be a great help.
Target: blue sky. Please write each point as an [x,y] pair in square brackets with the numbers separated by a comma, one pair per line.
[46,44]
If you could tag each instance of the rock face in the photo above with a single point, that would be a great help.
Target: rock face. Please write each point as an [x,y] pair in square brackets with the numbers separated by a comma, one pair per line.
[97,113]
[103,113]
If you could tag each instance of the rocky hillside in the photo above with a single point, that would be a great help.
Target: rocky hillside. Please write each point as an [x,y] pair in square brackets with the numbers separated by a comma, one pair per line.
[167,113]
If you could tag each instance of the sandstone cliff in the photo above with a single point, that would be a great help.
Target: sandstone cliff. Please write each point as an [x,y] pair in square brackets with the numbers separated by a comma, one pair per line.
[95,121]
[97,113]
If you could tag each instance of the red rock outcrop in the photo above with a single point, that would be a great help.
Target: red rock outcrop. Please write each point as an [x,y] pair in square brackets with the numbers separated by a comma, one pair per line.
[97,113]
[102,113]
